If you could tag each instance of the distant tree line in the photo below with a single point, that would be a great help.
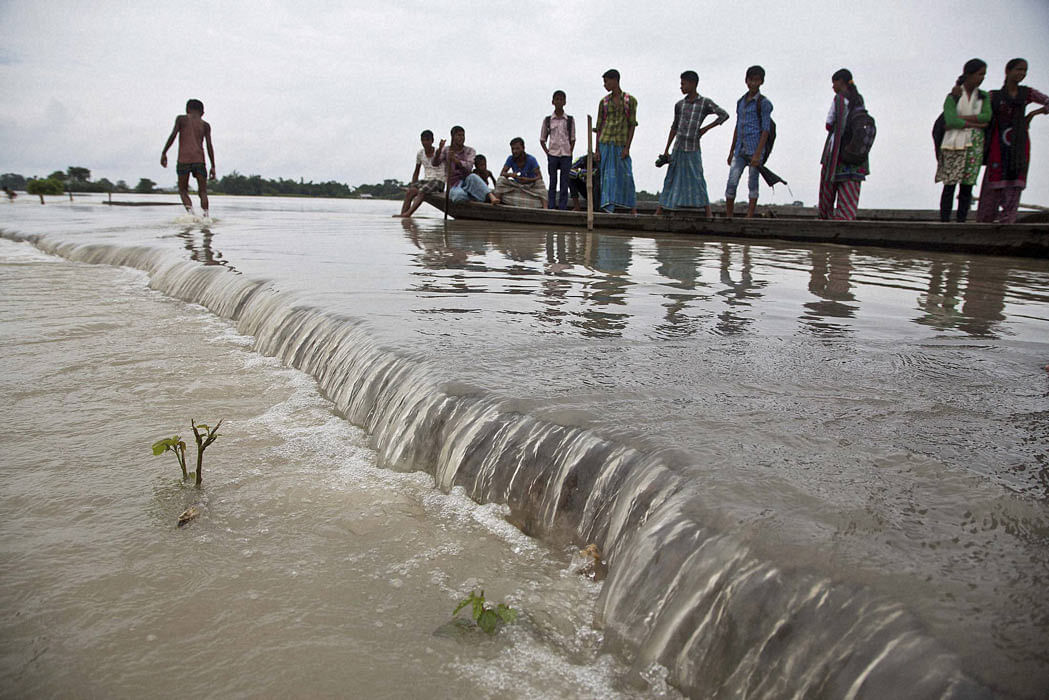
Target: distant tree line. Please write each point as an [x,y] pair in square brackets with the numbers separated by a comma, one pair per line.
[73,179]
[78,179]
[235,183]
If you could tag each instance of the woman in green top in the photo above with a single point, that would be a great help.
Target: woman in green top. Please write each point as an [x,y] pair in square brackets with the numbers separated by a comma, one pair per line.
[966,111]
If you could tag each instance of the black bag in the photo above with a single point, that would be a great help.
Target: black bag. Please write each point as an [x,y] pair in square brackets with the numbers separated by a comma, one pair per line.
[772,133]
[772,128]
[939,129]
[858,139]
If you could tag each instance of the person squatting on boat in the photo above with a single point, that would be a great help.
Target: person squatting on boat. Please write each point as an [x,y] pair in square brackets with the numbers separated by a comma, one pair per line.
[1009,149]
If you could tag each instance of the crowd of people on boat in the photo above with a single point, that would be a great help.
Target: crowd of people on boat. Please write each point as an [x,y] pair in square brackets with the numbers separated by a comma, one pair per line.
[977,128]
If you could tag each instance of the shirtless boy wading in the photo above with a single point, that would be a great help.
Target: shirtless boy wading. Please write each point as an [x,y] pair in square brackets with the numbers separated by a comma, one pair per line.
[192,132]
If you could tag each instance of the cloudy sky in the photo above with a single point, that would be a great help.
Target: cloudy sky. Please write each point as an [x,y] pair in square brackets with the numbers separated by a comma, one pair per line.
[341,90]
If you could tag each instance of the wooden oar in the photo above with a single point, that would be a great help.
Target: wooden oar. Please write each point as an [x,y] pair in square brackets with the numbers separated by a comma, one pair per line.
[589,174]
[447,180]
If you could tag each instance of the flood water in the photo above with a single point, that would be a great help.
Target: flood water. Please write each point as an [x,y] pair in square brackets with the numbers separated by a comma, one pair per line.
[814,470]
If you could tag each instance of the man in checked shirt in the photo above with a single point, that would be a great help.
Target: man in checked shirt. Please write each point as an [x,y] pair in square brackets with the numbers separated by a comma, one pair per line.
[684,185]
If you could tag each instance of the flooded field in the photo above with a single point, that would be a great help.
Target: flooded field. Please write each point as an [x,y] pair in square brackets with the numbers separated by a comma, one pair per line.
[812,469]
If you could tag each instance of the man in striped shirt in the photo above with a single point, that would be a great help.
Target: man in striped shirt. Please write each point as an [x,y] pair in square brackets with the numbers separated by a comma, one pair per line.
[684,185]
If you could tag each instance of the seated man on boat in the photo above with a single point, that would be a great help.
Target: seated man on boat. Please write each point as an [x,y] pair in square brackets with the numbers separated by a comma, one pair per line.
[520,183]
[458,158]
[577,182]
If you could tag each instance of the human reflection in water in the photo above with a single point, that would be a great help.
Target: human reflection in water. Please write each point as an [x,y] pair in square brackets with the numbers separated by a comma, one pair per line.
[737,293]
[609,255]
[564,252]
[205,252]
[679,261]
[436,253]
[829,280]
[983,300]
[940,300]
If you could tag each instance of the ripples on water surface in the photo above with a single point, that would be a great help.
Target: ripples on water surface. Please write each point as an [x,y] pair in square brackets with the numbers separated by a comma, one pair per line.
[866,423]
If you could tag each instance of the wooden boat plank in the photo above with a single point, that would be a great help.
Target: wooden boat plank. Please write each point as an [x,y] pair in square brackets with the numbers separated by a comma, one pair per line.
[1020,239]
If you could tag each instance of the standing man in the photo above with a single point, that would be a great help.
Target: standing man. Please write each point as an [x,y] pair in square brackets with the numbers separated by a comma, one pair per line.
[560,129]
[616,121]
[685,185]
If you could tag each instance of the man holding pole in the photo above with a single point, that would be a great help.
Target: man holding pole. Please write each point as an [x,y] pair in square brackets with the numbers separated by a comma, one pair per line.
[616,120]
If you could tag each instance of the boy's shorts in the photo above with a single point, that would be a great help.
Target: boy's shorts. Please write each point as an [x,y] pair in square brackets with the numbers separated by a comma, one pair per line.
[194,169]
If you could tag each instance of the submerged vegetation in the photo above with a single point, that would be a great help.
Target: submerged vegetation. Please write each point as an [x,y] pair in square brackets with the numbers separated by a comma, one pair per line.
[173,444]
[485,616]
[203,434]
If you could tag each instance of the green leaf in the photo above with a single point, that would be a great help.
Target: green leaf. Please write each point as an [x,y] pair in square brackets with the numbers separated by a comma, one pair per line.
[463,603]
[488,621]
[506,613]
[162,446]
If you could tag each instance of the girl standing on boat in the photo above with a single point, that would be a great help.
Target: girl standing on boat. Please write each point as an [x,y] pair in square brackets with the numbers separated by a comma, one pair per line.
[966,112]
[1010,151]
[840,181]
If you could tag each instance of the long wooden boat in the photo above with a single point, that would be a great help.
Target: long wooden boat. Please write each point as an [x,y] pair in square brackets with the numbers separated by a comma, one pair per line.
[887,228]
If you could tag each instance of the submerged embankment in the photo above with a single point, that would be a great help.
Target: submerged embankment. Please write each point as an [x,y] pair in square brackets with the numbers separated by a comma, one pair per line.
[840,511]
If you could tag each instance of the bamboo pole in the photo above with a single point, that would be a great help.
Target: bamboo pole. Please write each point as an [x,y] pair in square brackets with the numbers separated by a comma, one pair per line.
[447,180]
[589,173]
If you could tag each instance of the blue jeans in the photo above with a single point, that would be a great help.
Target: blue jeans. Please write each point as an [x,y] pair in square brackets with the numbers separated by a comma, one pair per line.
[472,187]
[735,172]
[558,164]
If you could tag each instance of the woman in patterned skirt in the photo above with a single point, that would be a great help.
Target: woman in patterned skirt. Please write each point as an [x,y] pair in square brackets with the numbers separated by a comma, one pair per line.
[966,111]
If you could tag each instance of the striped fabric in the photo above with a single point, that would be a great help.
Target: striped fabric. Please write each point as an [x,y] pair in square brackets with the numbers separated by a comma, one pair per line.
[998,204]
[617,178]
[847,194]
[684,185]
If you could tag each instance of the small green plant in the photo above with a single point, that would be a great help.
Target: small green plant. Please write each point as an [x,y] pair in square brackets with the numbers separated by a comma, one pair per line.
[485,616]
[174,444]
[204,436]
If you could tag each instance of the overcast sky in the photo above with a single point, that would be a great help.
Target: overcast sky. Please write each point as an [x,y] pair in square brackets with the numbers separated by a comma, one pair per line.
[341,90]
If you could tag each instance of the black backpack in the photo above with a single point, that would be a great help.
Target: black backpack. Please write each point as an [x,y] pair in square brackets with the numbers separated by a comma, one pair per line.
[571,125]
[860,131]
[772,132]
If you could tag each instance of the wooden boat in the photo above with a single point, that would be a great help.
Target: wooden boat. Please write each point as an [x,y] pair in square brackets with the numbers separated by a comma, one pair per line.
[888,228]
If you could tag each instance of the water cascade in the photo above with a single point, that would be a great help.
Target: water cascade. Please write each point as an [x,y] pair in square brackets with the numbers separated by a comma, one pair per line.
[681,591]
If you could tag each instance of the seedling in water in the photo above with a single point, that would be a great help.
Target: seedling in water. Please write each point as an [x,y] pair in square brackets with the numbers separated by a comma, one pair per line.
[485,616]
[176,445]
[204,437]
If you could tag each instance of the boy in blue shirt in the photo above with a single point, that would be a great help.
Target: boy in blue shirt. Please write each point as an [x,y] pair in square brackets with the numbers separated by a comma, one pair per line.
[753,124]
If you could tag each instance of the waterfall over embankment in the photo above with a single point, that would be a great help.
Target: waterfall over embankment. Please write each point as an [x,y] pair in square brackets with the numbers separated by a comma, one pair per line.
[682,591]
